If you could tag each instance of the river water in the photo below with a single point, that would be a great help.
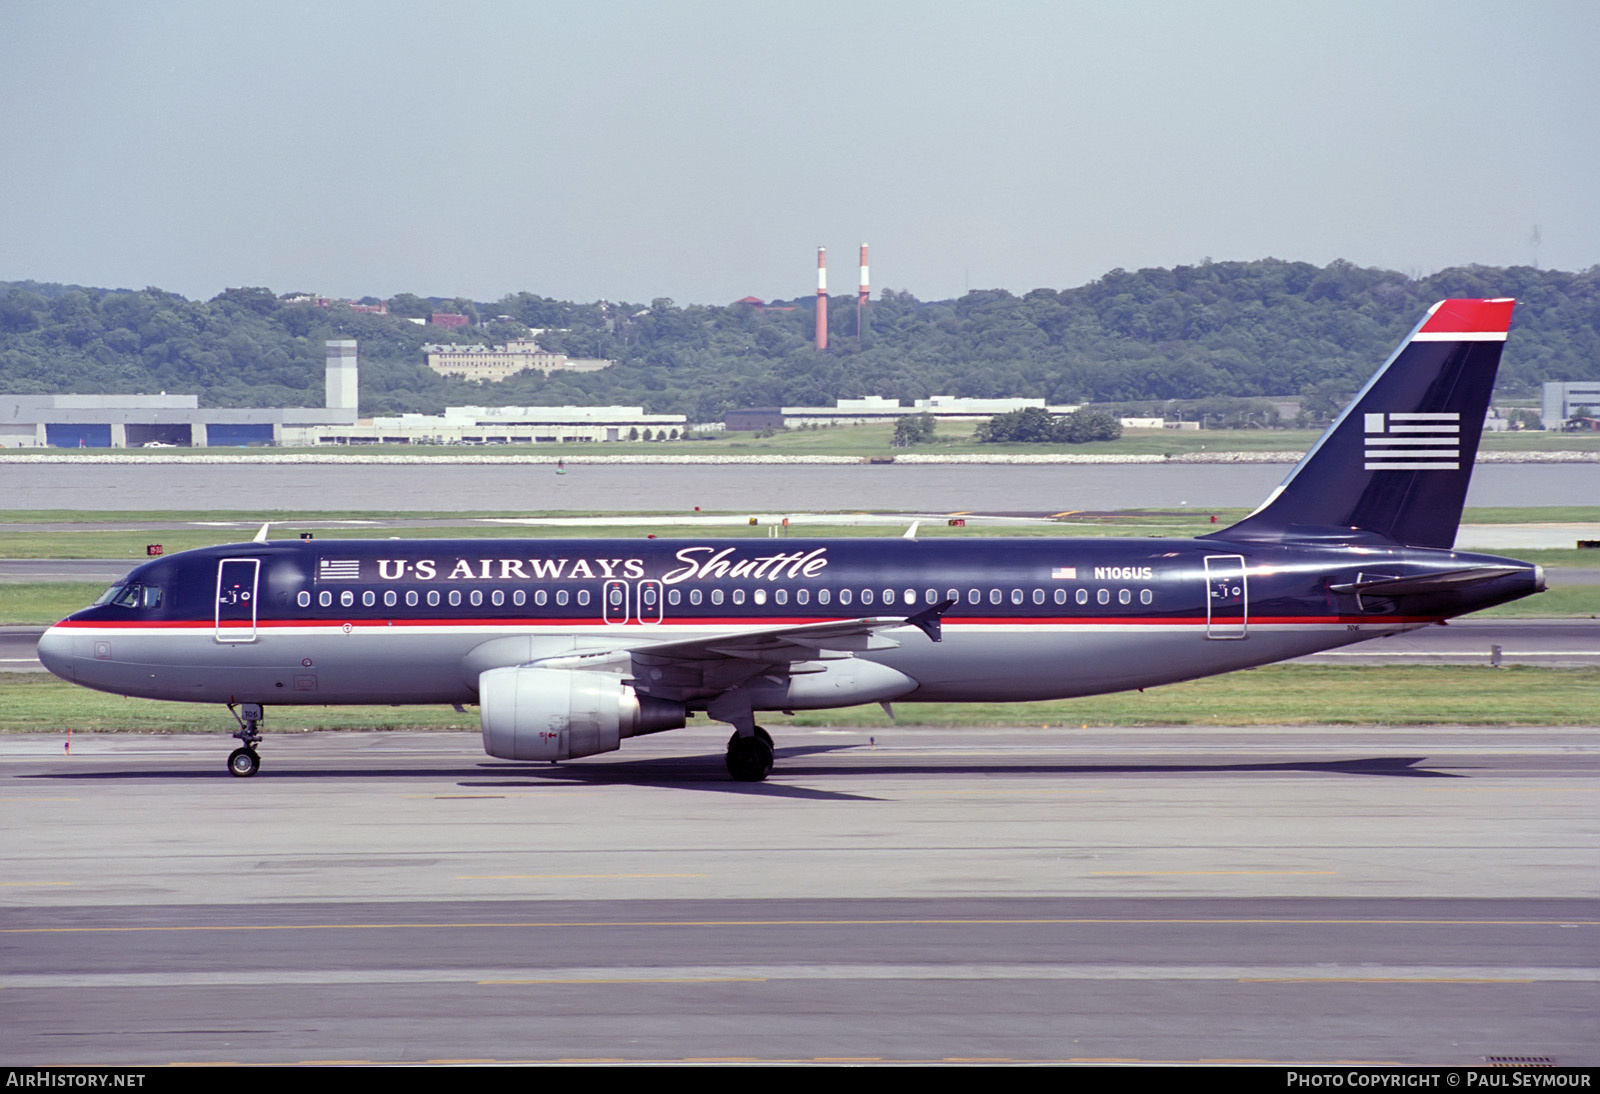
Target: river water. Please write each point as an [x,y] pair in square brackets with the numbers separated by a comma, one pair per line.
[331,488]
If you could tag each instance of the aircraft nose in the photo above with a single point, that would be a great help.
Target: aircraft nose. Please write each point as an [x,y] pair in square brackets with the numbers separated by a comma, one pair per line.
[55,652]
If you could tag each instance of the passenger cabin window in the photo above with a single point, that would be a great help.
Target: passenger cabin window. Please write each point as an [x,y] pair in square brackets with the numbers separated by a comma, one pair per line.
[411,598]
[455,598]
[304,599]
[433,598]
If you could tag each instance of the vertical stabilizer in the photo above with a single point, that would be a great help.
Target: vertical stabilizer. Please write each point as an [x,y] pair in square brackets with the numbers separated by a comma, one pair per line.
[1397,462]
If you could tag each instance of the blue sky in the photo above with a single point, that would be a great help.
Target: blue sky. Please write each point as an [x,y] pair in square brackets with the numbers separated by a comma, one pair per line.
[702,151]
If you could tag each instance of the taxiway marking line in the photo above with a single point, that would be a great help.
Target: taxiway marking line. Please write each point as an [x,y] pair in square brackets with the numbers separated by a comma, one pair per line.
[561,877]
[659,923]
[1162,873]
[1382,980]
[1510,789]
[642,980]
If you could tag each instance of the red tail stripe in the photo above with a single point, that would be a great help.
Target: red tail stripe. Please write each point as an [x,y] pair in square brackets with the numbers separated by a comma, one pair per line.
[1470,317]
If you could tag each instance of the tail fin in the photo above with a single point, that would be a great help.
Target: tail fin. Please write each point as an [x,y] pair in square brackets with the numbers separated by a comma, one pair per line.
[1397,462]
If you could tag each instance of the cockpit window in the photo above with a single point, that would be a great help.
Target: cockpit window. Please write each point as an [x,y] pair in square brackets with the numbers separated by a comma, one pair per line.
[132,596]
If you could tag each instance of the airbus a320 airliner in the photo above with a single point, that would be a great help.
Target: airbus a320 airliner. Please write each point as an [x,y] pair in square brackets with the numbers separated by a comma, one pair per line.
[569,646]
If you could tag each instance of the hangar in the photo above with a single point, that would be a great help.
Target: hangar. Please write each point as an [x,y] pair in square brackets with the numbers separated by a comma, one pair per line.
[136,421]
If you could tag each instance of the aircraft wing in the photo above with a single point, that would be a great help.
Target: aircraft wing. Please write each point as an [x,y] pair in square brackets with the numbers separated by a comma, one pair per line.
[709,664]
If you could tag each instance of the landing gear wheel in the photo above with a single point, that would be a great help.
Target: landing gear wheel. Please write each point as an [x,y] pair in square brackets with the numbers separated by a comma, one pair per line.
[750,758]
[243,762]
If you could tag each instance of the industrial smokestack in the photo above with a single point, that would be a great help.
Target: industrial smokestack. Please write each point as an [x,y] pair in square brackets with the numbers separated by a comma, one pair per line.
[822,298]
[861,300]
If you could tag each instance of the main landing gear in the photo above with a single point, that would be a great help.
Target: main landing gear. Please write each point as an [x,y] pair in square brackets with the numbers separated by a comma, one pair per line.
[244,762]
[750,758]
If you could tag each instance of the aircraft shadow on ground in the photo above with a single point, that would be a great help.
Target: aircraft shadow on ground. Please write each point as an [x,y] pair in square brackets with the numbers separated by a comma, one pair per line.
[706,772]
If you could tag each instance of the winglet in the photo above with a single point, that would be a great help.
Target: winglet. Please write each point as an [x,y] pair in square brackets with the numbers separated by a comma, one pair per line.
[929,619]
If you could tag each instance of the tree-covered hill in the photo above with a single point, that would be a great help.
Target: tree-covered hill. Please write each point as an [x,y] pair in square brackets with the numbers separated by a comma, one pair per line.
[1221,328]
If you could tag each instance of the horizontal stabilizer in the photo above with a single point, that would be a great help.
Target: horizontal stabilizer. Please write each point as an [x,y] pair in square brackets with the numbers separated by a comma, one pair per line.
[1426,583]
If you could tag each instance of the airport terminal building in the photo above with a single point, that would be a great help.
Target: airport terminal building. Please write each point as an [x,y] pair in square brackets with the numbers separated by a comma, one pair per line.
[1568,401]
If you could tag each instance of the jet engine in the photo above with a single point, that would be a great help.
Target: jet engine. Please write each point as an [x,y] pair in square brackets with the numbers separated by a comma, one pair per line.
[532,713]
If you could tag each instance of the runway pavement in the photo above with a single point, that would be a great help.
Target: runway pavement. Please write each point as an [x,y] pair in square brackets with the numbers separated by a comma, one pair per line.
[1425,896]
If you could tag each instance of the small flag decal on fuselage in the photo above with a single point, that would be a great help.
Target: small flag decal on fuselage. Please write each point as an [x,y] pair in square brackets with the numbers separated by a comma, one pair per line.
[1413,442]
[1064,573]
[332,569]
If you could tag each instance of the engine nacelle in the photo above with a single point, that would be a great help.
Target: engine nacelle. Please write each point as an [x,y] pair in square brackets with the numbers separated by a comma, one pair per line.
[531,713]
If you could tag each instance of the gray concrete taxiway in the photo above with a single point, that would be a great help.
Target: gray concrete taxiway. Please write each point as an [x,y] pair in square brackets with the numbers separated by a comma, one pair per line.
[1423,896]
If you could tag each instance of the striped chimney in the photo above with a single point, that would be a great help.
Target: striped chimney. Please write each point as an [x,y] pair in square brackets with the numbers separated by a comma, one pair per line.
[861,298]
[822,298]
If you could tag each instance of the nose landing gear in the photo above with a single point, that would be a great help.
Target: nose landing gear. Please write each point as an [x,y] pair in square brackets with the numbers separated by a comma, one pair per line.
[244,762]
